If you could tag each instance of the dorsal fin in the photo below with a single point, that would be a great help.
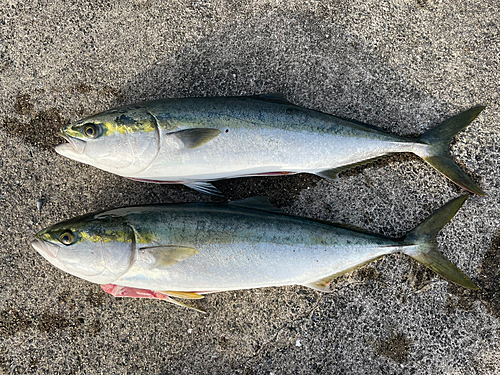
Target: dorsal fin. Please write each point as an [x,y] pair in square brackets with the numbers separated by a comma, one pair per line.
[275,98]
[256,203]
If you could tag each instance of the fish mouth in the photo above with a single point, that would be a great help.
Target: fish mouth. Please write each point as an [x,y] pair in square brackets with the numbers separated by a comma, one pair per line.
[74,145]
[45,248]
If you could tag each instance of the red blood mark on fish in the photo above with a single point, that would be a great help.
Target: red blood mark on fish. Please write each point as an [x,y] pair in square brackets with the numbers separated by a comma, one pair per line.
[270,174]
[125,291]
[154,181]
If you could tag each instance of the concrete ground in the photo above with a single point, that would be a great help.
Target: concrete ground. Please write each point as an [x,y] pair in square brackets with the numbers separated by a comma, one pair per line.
[403,65]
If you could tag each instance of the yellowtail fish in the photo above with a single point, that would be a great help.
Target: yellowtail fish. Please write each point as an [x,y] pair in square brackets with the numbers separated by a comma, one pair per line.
[187,250]
[193,141]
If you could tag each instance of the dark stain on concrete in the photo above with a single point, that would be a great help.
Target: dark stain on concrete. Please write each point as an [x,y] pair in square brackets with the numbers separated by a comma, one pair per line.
[223,342]
[111,92]
[22,105]
[82,88]
[33,363]
[281,190]
[41,131]
[94,328]
[421,3]
[419,276]
[488,283]
[396,347]
[366,274]
[50,322]
[65,299]
[3,362]
[95,298]
[12,322]
[5,59]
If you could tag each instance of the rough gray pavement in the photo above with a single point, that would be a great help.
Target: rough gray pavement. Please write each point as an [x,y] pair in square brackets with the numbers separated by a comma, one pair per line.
[401,65]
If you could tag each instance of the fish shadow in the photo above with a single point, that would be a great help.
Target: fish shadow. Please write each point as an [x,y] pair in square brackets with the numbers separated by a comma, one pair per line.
[310,57]
[308,54]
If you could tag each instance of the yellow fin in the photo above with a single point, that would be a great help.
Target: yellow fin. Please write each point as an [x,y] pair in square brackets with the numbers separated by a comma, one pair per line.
[165,256]
[186,295]
[175,302]
[323,284]
[333,173]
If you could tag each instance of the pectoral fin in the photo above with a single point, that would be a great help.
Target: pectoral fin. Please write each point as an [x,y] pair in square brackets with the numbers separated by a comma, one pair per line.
[163,257]
[204,187]
[197,137]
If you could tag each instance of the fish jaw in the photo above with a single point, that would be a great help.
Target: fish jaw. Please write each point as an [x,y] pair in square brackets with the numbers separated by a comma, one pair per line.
[46,249]
[69,151]
[73,145]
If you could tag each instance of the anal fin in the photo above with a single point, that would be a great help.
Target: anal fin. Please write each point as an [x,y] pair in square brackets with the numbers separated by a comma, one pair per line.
[322,284]
[333,173]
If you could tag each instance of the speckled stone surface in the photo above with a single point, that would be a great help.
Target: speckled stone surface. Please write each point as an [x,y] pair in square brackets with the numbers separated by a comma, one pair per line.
[404,66]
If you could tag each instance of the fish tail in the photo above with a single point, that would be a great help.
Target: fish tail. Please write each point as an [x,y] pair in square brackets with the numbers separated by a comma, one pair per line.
[437,153]
[426,251]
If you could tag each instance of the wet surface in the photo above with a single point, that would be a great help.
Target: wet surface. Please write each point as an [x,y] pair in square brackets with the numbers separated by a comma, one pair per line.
[396,347]
[488,282]
[41,130]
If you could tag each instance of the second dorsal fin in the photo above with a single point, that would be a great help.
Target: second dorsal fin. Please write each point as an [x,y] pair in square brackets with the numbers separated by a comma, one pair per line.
[275,97]
[256,203]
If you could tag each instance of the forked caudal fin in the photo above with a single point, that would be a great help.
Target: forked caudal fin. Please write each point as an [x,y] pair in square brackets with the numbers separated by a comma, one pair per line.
[427,252]
[439,139]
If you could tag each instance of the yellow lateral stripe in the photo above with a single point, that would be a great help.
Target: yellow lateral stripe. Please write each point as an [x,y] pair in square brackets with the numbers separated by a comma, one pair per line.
[113,127]
[105,237]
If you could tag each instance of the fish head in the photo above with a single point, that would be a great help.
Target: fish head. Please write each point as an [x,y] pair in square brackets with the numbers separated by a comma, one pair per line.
[124,141]
[96,249]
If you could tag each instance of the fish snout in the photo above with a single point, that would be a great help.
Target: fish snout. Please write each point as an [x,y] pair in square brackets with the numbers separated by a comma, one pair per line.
[74,145]
[45,248]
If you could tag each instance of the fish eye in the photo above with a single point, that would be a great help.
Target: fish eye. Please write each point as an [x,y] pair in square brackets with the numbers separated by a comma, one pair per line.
[67,238]
[91,130]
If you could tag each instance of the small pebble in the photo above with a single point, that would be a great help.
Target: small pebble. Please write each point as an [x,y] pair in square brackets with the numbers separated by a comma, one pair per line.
[39,204]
